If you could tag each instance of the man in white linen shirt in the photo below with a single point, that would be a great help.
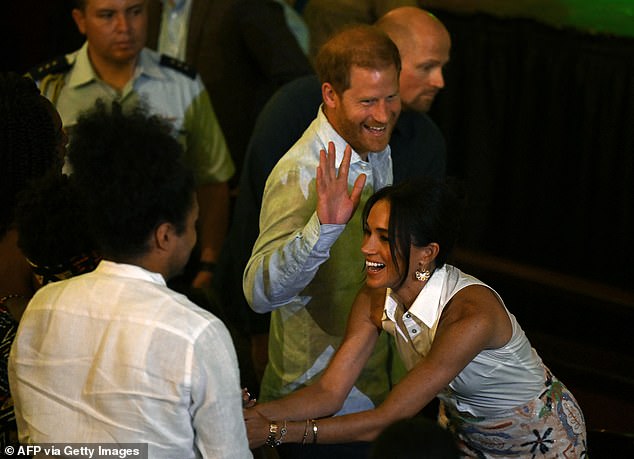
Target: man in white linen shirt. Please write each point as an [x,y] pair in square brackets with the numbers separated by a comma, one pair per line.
[114,356]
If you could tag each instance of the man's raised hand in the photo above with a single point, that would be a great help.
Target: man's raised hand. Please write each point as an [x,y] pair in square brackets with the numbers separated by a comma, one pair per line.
[334,204]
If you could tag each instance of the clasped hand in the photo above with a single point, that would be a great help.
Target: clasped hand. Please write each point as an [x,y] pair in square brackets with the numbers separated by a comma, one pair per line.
[257,427]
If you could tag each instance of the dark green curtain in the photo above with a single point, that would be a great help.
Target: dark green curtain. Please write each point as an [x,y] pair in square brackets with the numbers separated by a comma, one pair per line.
[540,124]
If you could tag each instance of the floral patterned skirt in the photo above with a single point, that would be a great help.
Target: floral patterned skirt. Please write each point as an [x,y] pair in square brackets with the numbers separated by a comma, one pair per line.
[551,426]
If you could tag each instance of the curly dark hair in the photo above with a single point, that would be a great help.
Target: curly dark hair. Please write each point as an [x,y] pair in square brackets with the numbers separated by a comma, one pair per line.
[129,172]
[28,140]
[51,223]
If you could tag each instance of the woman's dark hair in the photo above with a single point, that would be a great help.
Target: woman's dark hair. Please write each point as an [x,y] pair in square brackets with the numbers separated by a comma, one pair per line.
[28,140]
[422,211]
[129,171]
[52,229]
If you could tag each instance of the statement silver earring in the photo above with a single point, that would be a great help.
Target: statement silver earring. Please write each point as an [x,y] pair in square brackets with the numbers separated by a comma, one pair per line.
[422,276]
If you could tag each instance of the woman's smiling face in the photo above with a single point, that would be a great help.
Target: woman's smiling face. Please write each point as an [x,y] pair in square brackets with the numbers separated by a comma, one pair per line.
[381,270]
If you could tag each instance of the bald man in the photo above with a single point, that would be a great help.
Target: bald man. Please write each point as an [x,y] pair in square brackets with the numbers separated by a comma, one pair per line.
[424,45]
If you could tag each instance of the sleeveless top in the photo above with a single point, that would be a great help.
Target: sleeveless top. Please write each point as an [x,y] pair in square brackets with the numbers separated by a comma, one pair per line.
[496,380]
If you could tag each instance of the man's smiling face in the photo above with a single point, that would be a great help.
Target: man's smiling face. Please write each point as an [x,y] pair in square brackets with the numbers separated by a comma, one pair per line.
[365,114]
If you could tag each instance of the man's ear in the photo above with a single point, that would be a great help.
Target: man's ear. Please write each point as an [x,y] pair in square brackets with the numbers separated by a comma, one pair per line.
[163,235]
[80,20]
[329,95]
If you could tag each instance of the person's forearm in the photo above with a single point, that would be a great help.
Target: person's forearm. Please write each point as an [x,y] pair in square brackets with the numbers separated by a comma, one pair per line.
[213,219]
[309,402]
[292,413]
[274,276]
[362,426]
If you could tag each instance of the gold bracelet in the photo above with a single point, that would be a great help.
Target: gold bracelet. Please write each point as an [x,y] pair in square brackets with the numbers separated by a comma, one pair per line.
[305,432]
[270,440]
[314,431]
[273,429]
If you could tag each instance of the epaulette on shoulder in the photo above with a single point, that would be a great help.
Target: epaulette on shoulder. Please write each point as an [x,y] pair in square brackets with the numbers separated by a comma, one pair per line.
[178,65]
[58,64]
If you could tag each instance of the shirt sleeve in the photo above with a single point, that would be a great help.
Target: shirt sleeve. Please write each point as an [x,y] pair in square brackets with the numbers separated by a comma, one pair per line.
[207,149]
[216,409]
[292,243]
